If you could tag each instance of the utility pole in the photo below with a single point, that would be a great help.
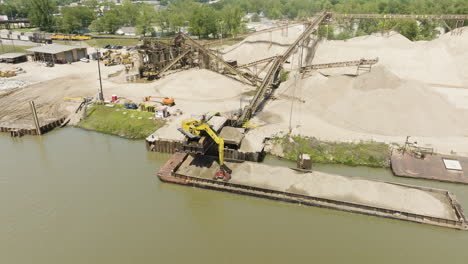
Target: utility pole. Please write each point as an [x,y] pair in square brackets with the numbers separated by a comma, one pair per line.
[100,94]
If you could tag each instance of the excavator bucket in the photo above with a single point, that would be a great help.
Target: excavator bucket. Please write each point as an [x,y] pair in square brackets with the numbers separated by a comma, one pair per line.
[222,174]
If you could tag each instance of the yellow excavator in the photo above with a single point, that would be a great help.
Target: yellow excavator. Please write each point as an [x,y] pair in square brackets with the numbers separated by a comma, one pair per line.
[193,129]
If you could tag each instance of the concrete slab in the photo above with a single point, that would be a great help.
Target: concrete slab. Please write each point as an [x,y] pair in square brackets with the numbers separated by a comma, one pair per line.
[432,167]
[217,123]
[232,135]
[403,198]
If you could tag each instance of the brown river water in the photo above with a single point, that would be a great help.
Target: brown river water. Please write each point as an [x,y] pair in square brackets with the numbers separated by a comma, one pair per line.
[75,196]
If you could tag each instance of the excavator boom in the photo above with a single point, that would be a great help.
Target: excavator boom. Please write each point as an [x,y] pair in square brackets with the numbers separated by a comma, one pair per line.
[192,129]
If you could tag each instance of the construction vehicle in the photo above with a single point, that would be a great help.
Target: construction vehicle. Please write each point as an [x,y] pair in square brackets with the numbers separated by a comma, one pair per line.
[194,130]
[111,59]
[7,74]
[169,101]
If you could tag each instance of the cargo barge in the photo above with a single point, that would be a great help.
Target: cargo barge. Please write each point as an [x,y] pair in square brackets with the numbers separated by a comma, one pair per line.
[384,199]
[430,166]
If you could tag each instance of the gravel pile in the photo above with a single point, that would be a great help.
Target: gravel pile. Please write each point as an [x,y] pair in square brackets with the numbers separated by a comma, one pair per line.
[6,84]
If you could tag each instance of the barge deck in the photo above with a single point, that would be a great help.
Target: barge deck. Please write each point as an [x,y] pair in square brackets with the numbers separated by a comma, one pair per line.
[430,167]
[390,200]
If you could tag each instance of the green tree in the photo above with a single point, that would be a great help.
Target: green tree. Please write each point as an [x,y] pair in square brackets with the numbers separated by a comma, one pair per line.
[93,4]
[409,29]
[203,21]
[129,13]
[74,19]
[41,13]
[145,20]
[110,22]
[232,19]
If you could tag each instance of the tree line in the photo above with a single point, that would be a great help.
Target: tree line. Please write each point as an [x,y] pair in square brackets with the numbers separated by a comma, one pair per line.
[225,17]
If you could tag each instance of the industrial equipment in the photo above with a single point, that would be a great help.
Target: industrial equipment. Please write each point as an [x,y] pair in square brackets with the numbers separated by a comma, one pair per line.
[7,74]
[194,129]
[110,58]
[169,101]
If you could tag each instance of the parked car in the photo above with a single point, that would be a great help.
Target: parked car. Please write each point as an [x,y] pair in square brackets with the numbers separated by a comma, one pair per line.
[107,46]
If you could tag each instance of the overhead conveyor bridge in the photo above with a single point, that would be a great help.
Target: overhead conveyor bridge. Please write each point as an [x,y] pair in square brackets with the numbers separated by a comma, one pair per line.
[400,16]
[275,68]
[361,62]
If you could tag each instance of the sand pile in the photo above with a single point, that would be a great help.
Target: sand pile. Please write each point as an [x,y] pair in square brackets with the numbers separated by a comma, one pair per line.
[441,61]
[200,84]
[382,103]
[317,184]
[378,103]
[263,45]
[6,83]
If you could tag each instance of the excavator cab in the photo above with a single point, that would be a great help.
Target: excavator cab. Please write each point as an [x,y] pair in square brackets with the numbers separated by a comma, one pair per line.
[194,130]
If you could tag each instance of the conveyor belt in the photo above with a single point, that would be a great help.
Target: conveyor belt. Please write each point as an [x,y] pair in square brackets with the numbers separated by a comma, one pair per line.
[339,64]
[208,52]
[400,16]
[273,72]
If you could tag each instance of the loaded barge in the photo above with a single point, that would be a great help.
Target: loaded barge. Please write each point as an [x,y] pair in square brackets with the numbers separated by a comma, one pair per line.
[352,194]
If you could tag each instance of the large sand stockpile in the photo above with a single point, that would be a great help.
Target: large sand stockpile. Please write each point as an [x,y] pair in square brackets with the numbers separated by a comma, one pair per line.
[200,84]
[263,45]
[416,89]
[441,61]
[379,103]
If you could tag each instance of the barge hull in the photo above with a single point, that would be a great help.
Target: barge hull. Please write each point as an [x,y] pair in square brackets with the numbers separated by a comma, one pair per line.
[169,174]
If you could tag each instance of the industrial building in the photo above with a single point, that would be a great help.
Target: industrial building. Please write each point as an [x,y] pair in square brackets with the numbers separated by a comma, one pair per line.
[13,57]
[56,53]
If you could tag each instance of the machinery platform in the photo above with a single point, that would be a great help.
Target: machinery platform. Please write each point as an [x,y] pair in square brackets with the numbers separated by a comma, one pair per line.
[431,167]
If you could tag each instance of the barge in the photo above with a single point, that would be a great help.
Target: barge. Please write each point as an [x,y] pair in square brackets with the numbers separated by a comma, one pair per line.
[384,199]
[433,166]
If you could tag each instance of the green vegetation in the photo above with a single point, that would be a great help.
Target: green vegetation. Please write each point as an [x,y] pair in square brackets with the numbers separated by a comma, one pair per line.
[74,19]
[113,121]
[371,154]
[225,18]
[15,48]
[41,13]
[284,76]
[120,41]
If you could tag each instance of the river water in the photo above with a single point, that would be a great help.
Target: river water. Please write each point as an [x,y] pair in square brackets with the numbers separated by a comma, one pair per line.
[74,196]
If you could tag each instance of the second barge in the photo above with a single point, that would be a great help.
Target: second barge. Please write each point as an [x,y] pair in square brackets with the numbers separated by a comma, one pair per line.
[390,200]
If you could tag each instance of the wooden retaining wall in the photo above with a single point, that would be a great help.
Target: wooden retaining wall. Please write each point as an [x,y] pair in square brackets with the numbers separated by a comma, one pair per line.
[164,146]
[173,146]
[32,131]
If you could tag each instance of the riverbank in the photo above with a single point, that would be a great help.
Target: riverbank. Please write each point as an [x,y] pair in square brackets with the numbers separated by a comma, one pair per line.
[126,123]
[370,154]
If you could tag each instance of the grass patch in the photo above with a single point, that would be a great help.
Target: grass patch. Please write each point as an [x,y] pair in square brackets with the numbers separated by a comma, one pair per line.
[113,42]
[14,48]
[113,121]
[371,154]
[26,29]
[284,76]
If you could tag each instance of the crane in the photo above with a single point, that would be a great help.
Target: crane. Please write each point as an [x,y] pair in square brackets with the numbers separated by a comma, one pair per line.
[193,128]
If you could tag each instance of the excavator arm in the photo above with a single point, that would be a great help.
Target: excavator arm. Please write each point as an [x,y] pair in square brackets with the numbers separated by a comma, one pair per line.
[216,138]
[192,128]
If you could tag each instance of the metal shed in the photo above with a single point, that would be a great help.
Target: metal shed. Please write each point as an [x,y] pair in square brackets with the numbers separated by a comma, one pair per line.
[57,53]
[13,57]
